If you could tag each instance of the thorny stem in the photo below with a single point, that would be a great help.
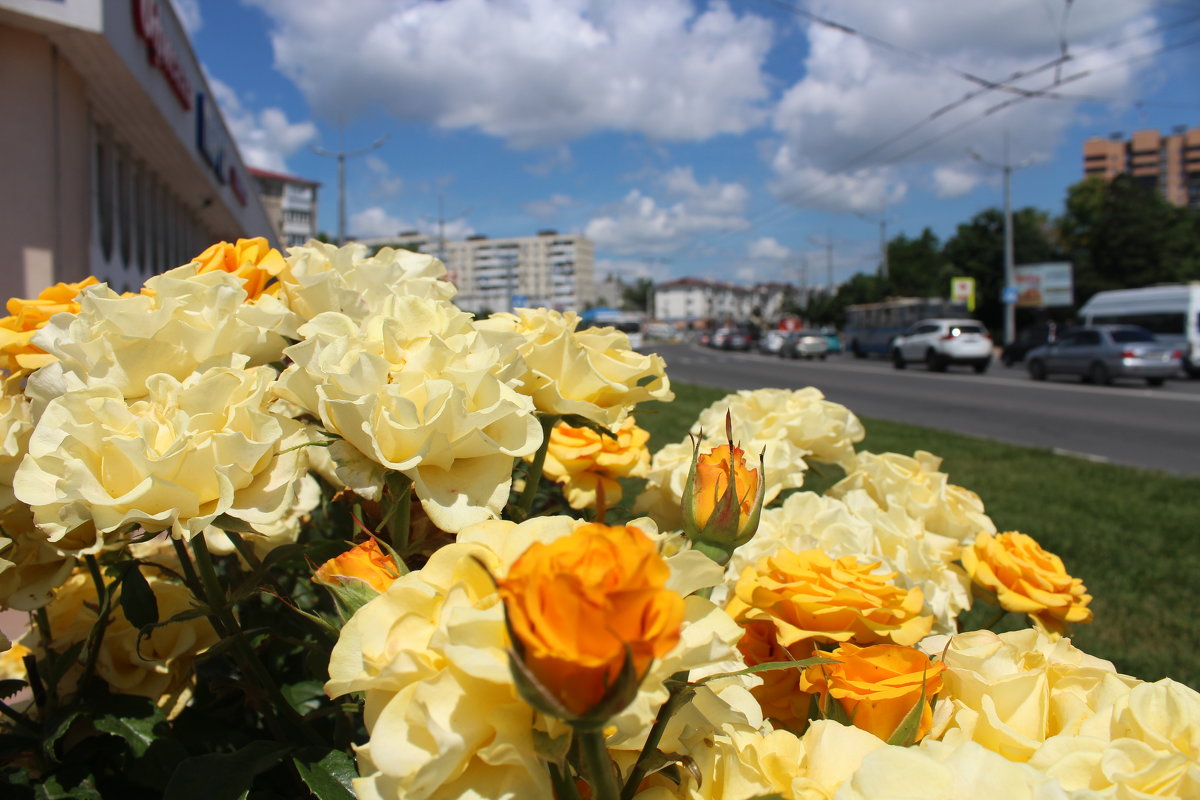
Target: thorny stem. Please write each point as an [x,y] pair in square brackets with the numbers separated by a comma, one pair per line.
[104,605]
[679,695]
[598,764]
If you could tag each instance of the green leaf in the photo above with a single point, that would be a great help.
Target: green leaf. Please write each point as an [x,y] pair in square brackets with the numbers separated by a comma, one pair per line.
[137,598]
[72,784]
[304,696]
[131,718]
[327,773]
[225,776]
[10,687]
[765,667]
[58,730]
[229,523]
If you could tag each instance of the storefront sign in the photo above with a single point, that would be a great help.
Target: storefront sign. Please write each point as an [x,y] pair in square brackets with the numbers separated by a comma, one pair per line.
[1047,285]
[215,147]
[148,22]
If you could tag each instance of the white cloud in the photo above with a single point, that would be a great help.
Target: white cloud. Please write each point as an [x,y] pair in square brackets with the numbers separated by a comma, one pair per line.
[188,12]
[266,138]
[641,224]
[558,159]
[549,208]
[840,144]
[384,183]
[375,221]
[529,71]
[955,181]
[767,248]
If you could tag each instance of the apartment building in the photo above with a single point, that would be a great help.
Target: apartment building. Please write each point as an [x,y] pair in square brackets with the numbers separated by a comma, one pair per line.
[116,160]
[550,269]
[1167,163]
[290,203]
[694,300]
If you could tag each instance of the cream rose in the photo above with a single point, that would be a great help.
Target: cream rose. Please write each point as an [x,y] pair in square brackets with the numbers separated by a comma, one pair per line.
[444,716]
[1011,692]
[416,389]
[591,372]
[320,277]
[914,484]
[30,568]
[192,322]
[175,460]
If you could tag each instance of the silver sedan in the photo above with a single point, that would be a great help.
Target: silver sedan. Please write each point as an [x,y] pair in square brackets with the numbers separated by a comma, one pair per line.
[1101,353]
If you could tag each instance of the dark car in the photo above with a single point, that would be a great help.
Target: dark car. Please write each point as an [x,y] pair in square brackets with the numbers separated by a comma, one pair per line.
[1033,336]
[1100,353]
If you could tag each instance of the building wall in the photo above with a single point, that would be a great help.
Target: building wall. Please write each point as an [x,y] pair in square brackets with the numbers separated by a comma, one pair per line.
[1168,164]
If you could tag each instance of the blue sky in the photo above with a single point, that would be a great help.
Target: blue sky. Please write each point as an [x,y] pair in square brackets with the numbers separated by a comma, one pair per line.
[721,140]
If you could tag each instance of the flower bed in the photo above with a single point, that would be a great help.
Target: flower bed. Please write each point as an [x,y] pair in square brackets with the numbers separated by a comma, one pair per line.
[296,525]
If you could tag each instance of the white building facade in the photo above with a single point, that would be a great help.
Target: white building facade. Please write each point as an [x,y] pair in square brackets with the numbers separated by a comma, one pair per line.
[550,269]
[290,203]
[114,159]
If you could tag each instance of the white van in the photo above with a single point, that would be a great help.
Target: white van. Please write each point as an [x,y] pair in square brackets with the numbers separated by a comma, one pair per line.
[1170,311]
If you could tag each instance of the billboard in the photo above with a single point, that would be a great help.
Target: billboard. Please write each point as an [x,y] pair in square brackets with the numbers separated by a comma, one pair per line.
[962,290]
[1047,285]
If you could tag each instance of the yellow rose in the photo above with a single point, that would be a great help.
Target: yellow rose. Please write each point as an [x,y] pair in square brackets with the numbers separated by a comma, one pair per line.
[188,452]
[192,322]
[877,686]
[444,716]
[1010,692]
[790,602]
[1027,580]
[416,389]
[364,562]
[915,484]
[577,605]
[252,260]
[27,317]
[855,526]
[30,568]
[160,668]
[592,372]
[586,462]
[319,277]
[737,764]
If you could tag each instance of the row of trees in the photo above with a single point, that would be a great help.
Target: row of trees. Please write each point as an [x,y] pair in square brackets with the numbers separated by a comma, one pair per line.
[1117,234]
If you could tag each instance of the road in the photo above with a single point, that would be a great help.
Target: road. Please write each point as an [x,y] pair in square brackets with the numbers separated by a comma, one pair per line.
[1126,423]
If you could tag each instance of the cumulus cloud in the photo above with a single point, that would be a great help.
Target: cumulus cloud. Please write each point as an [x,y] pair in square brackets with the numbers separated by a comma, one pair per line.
[265,138]
[642,224]
[549,208]
[375,221]
[531,72]
[843,139]
[383,182]
[767,248]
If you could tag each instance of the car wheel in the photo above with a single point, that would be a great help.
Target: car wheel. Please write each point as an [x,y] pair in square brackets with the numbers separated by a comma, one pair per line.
[981,367]
[898,360]
[1098,374]
[1155,381]
[934,362]
[1037,370]
[822,358]
[856,350]
[1008,359]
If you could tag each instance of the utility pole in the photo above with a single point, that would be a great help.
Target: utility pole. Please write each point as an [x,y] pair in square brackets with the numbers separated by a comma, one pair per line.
[341,155]
[1010,281]
[883,248]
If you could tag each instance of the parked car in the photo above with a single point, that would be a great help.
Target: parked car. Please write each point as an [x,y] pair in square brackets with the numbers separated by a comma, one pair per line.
[731,339]
[804,344]
[1033,336]
[770,341]
[939,343]
[833,339]
[1100,353]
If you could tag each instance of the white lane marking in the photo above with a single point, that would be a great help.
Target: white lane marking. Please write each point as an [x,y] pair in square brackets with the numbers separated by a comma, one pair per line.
[1059,451]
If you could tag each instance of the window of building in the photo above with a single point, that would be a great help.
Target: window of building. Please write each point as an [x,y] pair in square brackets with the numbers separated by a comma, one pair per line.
[124,207]
[102,199]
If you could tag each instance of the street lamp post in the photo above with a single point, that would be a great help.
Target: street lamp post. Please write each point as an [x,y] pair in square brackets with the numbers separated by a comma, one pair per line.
[341,155]
[1010,281]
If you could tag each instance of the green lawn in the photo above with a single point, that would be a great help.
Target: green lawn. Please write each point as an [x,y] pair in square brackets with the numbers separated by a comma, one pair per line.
[1132,535]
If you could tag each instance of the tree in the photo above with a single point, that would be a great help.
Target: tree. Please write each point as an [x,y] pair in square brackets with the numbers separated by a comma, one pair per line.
[636,296]
[916,267]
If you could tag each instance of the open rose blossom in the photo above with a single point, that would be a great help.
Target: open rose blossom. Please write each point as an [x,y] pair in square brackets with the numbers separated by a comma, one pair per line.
[1027,579]
[585,462]
[27,317]
[877,686]
[791,602]
[252,260]
[577,604]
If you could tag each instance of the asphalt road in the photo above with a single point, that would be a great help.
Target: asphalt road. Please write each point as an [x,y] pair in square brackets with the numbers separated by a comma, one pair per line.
[1126,423]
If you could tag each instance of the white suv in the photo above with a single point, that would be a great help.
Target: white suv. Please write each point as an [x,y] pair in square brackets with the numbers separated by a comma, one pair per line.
[938,343]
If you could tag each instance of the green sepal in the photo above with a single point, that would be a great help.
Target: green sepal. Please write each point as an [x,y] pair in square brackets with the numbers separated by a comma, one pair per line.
[907,731]
[553,749]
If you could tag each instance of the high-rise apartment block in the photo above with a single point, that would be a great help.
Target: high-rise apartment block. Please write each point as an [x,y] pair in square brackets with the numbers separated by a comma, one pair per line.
[1169,164]
[550,269]
[291,204]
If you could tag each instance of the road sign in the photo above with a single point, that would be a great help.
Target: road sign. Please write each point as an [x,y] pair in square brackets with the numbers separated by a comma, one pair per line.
[520,300]
[1010,294]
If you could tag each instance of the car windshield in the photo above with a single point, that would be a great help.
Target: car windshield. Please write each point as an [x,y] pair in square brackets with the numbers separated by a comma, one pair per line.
[1124,335]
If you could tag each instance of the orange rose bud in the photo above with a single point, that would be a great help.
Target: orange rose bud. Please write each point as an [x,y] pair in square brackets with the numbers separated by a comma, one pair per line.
[723,499]
[364,562]
[1026,579]
[885,689]
[588,613]
[27,317]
